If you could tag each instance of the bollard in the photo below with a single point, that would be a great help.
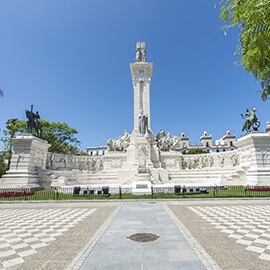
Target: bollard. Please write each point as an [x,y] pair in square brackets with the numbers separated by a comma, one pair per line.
[120,192]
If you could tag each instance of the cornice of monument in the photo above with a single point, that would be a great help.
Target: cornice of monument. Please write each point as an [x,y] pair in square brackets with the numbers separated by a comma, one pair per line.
[135,69]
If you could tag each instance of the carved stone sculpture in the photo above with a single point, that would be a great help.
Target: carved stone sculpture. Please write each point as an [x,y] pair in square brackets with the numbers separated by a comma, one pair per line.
[119,144]
[140,52]
[167,143]
[143,123]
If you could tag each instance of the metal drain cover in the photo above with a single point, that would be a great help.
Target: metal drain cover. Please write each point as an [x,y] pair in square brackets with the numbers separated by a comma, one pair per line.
[143,237]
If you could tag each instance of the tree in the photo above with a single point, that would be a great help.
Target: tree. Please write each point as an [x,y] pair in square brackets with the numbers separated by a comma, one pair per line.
[252,17]
[59,135]
[13,127]
[195,151]
[3,164]
[1,92]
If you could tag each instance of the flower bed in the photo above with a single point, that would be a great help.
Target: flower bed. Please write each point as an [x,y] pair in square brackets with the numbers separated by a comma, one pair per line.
[259,189]
[16,194]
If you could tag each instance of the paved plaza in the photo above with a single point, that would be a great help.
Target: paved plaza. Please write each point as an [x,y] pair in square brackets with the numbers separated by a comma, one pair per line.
[191,234]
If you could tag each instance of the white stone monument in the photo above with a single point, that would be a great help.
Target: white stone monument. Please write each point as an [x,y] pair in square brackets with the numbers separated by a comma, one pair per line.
[28,158]
[254,157]
[139,162]
[142,154]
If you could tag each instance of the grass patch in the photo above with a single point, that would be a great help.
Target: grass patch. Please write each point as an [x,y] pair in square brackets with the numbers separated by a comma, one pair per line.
[53,194]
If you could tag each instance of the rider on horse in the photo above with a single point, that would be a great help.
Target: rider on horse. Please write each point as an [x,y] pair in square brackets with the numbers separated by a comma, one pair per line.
[33,121]
[251,120]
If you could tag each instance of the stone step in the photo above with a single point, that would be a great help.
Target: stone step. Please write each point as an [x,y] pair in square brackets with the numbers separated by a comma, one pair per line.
[60,178]
[143,177]
[201,176]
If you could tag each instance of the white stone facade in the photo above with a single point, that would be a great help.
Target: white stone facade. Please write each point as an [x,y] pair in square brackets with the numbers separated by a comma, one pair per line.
[96,150]
[28,159]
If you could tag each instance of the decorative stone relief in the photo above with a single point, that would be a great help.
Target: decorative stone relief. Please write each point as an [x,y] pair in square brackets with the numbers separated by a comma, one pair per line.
[234,159]
[119,144]
[70,162]
[205,161]
[38,157]
[142,153]
[116,163]
[170,162]
[167,143]
[245,155]
[264,152]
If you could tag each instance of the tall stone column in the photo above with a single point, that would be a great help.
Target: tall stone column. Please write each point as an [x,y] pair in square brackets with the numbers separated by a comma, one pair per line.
[142,152]
[140,164]
[141,73]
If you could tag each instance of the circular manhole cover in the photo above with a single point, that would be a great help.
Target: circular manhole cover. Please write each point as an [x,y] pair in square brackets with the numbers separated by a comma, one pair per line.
[143,237]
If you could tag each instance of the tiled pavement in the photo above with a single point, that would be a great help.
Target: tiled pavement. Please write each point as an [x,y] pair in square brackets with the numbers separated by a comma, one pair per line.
[247,225]
[233,233]
[24,231]
[48,235]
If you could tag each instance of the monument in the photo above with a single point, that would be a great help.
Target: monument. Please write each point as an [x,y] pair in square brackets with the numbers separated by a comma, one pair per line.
[140,159]
[33,122]
[29,156]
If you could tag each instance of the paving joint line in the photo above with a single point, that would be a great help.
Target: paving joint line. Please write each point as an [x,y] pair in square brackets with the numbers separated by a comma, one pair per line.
[85,251]
[205,258]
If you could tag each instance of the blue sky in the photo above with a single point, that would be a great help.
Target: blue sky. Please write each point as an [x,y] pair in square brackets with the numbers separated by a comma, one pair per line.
[71,60]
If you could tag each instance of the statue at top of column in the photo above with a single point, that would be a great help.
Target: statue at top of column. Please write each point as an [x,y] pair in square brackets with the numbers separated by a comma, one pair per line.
[140,52]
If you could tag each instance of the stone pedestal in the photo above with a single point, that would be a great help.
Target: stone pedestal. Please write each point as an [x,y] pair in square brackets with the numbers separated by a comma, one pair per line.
[139,152]
[28,157]
[141,187]
[254,157]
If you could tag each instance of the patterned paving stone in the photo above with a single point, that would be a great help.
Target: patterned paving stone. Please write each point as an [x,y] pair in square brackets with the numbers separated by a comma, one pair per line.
[247,225]
[24,231]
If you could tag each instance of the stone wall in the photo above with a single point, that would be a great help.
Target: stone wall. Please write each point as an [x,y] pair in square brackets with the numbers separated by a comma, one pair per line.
[248,165]
[176,161]
[111,168]
[73,162]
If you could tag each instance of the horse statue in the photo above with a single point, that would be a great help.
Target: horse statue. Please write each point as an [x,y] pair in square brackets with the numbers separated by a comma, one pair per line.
[33,122]
[251,120]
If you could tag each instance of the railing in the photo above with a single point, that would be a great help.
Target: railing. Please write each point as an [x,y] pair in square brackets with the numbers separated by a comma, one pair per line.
[109,193]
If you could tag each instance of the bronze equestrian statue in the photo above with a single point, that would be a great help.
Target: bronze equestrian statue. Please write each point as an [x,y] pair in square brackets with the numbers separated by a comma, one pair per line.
[251,120]
[33,122]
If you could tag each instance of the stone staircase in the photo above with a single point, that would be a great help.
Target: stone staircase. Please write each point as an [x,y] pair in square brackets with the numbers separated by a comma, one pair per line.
[203,177]
[143,176]
[77,177]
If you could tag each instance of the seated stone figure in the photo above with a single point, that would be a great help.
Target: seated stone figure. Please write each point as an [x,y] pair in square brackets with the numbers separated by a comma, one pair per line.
[119,144]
